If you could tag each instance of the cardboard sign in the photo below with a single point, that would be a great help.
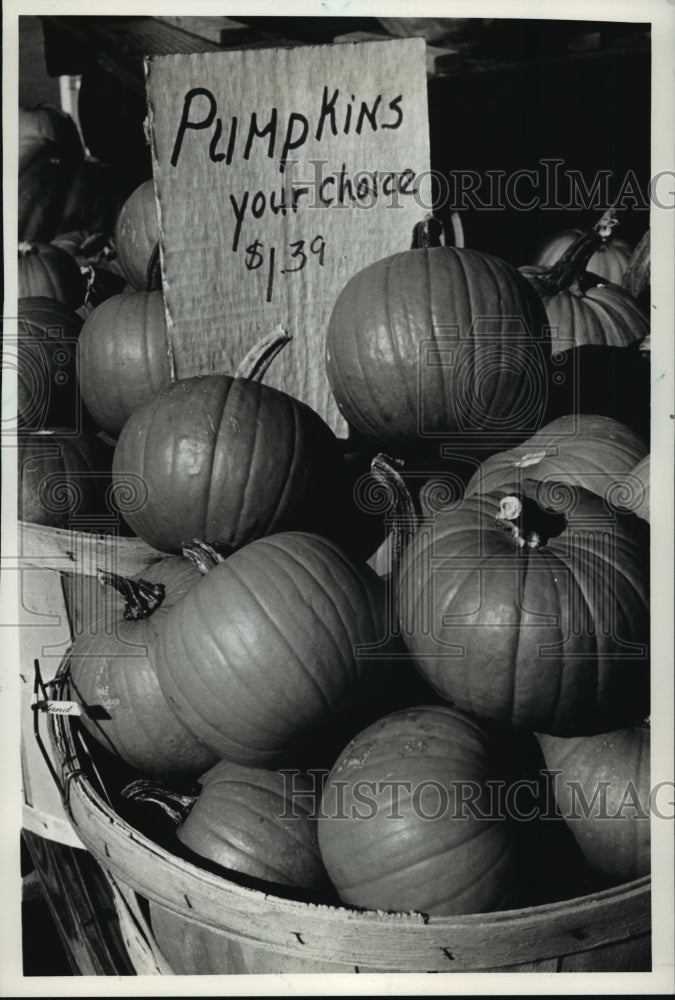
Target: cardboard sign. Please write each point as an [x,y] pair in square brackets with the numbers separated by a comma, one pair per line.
[278,174]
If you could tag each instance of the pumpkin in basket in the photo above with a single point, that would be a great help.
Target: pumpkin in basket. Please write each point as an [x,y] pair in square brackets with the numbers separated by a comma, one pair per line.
[226,459]
[602,789]
[47,391]
[249,820]
[582,307]
[47,271]
[123,356]
[531,605]
[267,644]
[438,341]
[112,675]
[393,831]
[62,476]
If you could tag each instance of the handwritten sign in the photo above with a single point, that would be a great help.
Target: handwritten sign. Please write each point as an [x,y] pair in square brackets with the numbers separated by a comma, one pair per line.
[278,174]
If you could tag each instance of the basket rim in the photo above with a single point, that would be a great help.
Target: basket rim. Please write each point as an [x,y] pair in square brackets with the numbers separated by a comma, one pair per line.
[358,936]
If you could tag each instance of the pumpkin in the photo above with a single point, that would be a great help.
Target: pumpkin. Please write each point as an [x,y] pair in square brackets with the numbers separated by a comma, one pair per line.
[47,364]
[62,477]
[602,789]
[393,833]
[410,354]
[48,271]
[112,676]
[137,234]
[609,261]
[632,491]
[530,605]
[582,307]
[268,643]
[249,820]
[50,152]
[226,459]
[585,450]
[123,356]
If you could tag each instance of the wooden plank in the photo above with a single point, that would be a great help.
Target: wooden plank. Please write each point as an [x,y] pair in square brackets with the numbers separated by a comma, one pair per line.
[78,551]
[81,905]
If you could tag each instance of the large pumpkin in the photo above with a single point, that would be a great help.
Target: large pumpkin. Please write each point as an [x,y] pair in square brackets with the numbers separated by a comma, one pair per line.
[50,153]
[531,605]
[227,460]
[62,476]
[123,356]
[585,450]
[47,389]
[48,271]
[438,342]
[268,643]
[113,678]
[602,790]
[393,833]
[137,234]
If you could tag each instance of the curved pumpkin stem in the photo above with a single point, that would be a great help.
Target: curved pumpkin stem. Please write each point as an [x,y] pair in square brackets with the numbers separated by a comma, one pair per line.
[572,264]
[530,524]
[405,522]
[203,556]
[141,597]
[255,363]
[26,249]
[175,804]
[428,233]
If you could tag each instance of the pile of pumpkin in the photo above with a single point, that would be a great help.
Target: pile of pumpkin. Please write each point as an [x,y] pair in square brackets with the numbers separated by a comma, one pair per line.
[483,615]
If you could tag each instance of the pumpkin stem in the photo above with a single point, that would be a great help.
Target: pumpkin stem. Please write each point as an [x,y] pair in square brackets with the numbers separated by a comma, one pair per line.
[569,268]
[26,248]
[204,556]
[636,275]
[530,524]
[427,233]
[175,804]
[405,521]
[255,363]
[141,597]
[153,273]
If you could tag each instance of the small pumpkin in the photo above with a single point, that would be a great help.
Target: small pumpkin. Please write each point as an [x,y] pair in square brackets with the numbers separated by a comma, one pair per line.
[602,790]
[609,261]
[123,356]
[137,234]
[410,354]
[582,307]
[530,605]
[227,459]
[62,477]
[112,676]
[268,643]
[44,126]
[50,272]
[250,820]
[585,450]
[47,390]
[392,831]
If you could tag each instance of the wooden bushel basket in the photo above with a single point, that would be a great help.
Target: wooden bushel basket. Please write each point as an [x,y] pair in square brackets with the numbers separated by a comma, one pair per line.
[185,920]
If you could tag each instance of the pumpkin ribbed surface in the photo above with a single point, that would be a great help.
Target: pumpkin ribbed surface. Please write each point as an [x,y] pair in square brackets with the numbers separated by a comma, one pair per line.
[553,638]
[48,332]
[587,450]
[137,234]
[123,356]
[226,461]
[61,475]
[392,831]
[257,822]
[112,675]
[437,341]
[264,645]
[48,271]
[612,773]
